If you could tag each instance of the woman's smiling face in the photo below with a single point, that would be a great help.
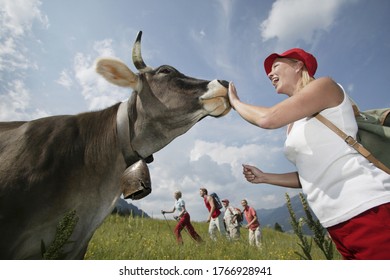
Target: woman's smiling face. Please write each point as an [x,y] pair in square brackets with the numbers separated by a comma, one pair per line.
[285,74]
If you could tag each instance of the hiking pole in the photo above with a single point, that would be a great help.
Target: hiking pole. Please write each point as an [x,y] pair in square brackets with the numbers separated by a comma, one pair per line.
[170,229]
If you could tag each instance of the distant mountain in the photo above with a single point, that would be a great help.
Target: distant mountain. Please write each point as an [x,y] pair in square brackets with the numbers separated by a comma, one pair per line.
[280,215]
[124,209]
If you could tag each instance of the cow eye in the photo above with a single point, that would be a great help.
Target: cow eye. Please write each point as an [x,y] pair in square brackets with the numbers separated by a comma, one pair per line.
[164,70]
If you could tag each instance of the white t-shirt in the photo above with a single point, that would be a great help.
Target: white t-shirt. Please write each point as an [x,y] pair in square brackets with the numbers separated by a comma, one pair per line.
[179,204]
[338,181]
[228,216]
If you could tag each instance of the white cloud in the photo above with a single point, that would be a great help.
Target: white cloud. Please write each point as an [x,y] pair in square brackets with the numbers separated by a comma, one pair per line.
[189,163]
[231,155]
[11,56]
[16,21]
[104,48]
[290,21]
[65,79]
[17,17]
[97,92]
[14,103]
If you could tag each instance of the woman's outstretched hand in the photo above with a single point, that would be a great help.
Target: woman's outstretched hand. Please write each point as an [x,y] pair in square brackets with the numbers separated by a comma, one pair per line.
[253,174]
[232,94]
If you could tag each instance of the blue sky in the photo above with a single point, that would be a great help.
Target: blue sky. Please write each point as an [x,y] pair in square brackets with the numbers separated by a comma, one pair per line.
[48,50]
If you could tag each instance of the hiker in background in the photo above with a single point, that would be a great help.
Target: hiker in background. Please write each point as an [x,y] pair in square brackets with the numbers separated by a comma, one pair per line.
[253,224]
[183,218]
[347,193]
[231,220]
[214,218]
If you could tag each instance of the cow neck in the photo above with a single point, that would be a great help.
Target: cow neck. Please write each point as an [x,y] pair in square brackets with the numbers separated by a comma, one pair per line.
[124,134]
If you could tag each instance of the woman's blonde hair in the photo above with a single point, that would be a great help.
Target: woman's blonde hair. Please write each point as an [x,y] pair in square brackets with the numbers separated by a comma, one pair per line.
[306,79]
[178,193]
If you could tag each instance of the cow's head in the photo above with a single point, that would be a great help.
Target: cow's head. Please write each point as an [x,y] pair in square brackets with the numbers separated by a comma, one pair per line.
[165,103]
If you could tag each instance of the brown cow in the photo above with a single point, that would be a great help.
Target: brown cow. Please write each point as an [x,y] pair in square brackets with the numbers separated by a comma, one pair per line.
[54,165]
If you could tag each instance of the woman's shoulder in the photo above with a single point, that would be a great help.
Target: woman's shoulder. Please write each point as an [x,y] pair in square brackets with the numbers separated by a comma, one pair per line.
[328,89]
[327,81]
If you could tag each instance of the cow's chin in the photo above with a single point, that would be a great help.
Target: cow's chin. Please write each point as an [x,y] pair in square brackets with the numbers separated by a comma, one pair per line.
[216,107]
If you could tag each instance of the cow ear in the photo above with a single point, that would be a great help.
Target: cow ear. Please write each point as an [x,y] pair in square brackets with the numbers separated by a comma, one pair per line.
[116,72]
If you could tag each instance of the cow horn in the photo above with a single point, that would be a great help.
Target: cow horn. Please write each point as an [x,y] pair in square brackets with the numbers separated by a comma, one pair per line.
[135,181]
[137,57]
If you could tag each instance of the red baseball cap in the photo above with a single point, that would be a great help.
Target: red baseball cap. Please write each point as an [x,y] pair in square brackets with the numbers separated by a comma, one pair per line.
[308,59]
[225,200]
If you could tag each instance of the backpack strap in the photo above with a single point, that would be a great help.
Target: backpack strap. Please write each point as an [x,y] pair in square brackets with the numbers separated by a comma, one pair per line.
[353,143]
[355,107]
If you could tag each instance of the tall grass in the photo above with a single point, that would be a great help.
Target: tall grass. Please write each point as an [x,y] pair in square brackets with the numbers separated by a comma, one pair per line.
[122,238]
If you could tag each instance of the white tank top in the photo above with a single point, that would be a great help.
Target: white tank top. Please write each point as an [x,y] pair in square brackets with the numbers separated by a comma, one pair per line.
[338,181]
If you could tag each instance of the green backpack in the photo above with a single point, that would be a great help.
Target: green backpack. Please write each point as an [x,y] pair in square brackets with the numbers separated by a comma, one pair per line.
[373,137]
[374,132]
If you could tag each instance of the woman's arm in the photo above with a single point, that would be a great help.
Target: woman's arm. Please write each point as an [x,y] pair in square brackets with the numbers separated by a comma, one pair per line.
[256,176]
[172,211]
[316,96]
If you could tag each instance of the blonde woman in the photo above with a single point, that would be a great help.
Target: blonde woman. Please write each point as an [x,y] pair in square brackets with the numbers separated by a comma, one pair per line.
[183,219]
[348,194]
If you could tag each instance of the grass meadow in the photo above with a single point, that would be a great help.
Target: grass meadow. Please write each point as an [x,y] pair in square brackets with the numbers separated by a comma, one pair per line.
[136,238]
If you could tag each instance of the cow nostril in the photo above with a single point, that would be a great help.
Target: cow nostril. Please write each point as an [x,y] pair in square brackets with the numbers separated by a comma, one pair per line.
[224,83]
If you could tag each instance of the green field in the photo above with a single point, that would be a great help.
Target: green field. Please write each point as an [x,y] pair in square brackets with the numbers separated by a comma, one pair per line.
[128,238]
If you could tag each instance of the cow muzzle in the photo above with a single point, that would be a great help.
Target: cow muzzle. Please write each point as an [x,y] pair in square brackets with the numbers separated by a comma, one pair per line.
[215,101]
[135,181]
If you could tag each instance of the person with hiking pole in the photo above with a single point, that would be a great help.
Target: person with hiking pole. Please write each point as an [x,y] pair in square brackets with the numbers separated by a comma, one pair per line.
[183,218]
[347,193]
